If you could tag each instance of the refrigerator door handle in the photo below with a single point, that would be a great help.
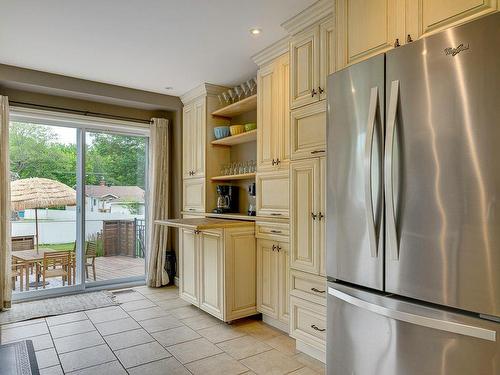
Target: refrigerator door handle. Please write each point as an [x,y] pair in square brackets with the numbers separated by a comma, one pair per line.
[372,118]
[420,320]
[388,182]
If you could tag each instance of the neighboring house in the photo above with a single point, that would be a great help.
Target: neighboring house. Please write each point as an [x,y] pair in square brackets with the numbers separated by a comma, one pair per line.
[114,199]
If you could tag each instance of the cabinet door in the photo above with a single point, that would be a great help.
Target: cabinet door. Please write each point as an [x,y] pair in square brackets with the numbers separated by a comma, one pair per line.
[308,128]
[304,65]
[322,218]
[429,16]
[304,176]
[272,194]
[366,28]
[188,266]
[283,151]
[211,273]
[267,278]
[240,261]
[198,142]
[187,140]
[194,195]
[284,282]
[326,54]
[267,116]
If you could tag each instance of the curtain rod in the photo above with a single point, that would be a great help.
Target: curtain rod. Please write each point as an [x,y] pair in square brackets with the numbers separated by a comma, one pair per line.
[78,112]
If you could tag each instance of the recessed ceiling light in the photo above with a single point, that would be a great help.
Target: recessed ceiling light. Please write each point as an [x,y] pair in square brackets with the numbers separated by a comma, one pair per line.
[255,31]
[168,87]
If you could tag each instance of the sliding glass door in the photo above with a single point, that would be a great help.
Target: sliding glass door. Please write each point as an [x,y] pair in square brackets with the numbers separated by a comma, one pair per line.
[115,207]
[79,193]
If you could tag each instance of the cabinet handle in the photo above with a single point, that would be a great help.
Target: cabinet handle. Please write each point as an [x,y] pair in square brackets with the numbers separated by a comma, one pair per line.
[321,91]
[409,39]
[320,216]
[278,161]
[273,162]
[317,290]
[313,215]
[275,214]
[313,93]
[317,151]
[196,231]
[274,247]
[279,248]
[313,326]
[275,231]
[396,43]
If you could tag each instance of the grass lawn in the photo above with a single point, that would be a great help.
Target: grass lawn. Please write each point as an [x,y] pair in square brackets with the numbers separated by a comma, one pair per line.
[59,246]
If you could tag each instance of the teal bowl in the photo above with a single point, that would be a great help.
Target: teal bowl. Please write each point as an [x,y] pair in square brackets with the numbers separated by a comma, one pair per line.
[221,132]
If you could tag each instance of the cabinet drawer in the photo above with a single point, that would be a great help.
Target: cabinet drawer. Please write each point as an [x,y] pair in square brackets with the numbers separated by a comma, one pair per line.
[307,286]
[278,232]
[308,131]
[273,194]
[308,322]
[194,195]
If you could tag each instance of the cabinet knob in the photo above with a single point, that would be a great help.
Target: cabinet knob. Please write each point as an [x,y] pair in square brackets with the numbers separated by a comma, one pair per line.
[321,91]
[279,248]
[273,162]
[278,161]
[274,247]
[320,216]
[313,92]
[313,215]
[409,39]
[315,327]
[396,43]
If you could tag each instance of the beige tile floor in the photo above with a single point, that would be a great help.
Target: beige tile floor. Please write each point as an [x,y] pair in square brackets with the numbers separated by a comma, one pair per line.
[154,332]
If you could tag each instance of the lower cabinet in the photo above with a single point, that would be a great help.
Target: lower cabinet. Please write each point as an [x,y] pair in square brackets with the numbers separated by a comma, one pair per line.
[308,327]
[217,270]
[273,274]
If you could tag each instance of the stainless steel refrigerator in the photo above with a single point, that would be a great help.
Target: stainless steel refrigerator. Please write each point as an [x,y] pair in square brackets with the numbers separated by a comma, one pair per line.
[413,208]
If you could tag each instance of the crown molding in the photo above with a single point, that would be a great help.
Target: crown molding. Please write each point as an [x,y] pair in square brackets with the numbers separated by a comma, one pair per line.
[204,89]
[274,50]
[316,12]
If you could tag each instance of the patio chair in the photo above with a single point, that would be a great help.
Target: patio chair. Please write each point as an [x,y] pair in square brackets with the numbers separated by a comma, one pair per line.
[54,264]
[90,254]
[18,269]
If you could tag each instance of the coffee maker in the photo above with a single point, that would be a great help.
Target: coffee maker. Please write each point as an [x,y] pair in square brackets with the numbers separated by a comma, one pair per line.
[227,199]
[251,200]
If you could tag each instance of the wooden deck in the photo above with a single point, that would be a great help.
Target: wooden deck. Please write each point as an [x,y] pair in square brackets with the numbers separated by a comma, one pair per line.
[107,268]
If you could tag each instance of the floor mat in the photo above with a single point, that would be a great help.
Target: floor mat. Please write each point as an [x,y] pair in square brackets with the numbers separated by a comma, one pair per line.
[18,358]
[57,306]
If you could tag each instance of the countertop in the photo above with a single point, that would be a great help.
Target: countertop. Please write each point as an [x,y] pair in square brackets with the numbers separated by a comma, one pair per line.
[203,223]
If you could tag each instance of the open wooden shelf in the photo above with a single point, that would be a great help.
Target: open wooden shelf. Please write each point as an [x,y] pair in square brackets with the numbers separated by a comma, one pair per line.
[243,176]
[235,109]
[237,139]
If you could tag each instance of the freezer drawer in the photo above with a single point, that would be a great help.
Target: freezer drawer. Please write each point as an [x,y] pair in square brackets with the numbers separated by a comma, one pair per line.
[373,334]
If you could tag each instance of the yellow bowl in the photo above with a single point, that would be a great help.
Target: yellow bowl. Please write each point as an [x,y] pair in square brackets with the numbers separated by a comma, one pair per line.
[236,129]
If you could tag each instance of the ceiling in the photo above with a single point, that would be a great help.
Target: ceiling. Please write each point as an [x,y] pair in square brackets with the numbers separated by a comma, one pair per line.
[146,45]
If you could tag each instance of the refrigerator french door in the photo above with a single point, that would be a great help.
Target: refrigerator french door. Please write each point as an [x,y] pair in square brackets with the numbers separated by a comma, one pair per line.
[430,257]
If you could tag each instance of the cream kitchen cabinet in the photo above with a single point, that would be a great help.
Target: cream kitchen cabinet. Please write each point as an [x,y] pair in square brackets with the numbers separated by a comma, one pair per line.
[272,194]
[425,17]
[273,151]
[312,59]
[193,139]
[194,195]
[307,215]
[365,28]
[273,280]
[217,267]
[308,131]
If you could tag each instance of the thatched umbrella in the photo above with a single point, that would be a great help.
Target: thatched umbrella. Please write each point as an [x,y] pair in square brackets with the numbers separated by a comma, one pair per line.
[35,193]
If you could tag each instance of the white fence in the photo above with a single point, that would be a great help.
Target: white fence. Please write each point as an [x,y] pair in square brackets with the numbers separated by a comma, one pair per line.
[59,226]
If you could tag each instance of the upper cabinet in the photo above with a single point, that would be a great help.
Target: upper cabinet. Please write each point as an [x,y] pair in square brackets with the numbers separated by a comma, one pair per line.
[273,134]
[194,125]
[312,59]
[368,27]
[429,16]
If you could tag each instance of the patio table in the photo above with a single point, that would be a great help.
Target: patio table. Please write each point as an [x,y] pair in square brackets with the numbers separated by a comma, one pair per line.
[30,257]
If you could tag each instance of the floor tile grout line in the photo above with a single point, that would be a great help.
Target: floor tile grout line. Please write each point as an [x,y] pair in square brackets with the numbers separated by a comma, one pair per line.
[54,346]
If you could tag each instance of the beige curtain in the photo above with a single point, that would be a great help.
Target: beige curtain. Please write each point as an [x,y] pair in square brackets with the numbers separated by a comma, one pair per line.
[5,244]
[158,201]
